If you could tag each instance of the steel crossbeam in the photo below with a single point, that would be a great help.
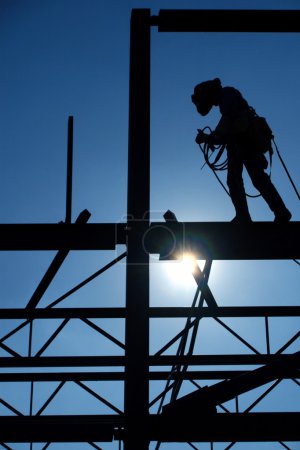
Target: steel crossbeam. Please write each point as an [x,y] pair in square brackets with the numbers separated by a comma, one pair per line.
[119,376]
[119,361]
[61,236]
[222,20]
[252,427]
[220,427]
[153,312]
[225,240]
[81,428]
[213,240]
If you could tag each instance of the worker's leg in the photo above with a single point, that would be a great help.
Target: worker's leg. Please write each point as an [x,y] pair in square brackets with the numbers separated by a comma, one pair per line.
[236,185]
[256,164]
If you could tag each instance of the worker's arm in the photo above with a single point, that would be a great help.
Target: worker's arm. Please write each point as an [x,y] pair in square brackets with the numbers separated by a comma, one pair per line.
[227,130]
[214,138]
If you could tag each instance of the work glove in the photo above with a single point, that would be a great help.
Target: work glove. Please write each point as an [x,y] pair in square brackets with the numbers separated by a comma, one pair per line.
[201,137]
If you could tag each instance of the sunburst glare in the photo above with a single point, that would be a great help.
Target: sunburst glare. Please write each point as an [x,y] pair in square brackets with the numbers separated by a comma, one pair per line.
[181,271]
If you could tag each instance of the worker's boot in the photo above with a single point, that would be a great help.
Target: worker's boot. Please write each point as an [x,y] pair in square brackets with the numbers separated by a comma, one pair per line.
[241,207]
[276,204]
[241,219]
[283,216]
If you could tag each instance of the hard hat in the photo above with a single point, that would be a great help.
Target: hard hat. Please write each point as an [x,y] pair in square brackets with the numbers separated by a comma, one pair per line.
[204,95]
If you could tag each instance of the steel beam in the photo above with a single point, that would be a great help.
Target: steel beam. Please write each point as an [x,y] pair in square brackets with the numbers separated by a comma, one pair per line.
[214,240]
[64,376]
[251,427]
[63,313]
[69,171]
[62,361]
[222,20]
[83,428]
[62,236]
[120,376]
[154,312]
[138,205]
[206,360]
[224,240]
[236,427]
[114,361]
[224,311]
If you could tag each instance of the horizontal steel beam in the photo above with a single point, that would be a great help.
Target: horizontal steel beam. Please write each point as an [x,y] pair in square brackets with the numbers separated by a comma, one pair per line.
[62,361]
[222,427]
[207,20]
[61,236]
[169,360]
[154,312]
[213,240]
[63,313]
[224,240]
[251,427]
[61,376]
[120,376]
[224,311]
[83,428]
[206,360]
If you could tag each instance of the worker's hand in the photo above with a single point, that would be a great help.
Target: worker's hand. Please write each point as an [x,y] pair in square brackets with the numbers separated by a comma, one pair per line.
[201,137]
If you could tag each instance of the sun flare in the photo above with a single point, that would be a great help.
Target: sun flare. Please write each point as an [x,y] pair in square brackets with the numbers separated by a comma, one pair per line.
[181,271]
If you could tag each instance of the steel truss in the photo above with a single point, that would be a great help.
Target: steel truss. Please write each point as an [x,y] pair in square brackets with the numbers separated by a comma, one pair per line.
[141,238]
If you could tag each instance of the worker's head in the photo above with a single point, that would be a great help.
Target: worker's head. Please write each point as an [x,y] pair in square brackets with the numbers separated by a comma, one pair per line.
[206,94]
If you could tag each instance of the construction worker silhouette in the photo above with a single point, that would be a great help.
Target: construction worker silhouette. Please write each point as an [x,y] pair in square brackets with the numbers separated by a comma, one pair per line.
[243,144]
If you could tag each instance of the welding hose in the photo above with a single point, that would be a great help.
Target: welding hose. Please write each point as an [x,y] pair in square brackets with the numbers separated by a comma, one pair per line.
[208,149]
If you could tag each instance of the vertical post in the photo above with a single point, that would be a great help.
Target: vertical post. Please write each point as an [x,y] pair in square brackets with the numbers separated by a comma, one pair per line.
[267,334]
[137,271]
[69,171]
[32,382]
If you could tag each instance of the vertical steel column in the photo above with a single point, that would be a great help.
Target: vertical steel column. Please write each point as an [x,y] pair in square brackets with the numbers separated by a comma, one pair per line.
[69,171]
[137,275]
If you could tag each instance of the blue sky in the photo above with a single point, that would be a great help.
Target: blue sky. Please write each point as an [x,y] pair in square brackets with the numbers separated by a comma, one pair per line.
[61,58]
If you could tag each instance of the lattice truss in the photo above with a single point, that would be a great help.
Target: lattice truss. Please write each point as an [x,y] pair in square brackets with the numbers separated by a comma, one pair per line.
[49,392]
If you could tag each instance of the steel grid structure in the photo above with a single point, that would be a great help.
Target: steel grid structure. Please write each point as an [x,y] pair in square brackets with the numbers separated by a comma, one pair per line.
[134,425]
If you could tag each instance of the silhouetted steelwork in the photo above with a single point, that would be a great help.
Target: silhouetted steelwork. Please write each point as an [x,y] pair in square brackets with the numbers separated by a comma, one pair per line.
[152,360]
[69,171]
[206,399]
[218,427]
[84,428]
[62,236]
[135,426]
[225,240]
[177,249]
[254,427]
[153,312]
[217,240]
[138,207]
[212,20]
[119,376]
[54,267]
